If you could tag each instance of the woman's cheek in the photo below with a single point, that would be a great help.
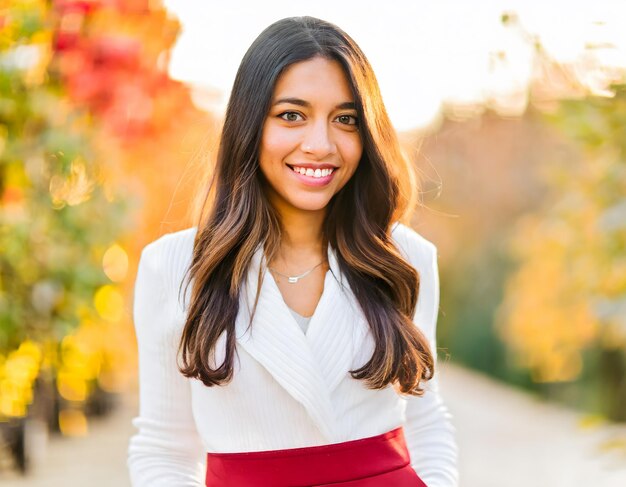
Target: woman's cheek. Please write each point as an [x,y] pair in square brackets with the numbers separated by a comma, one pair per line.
[351,157]
[279,141]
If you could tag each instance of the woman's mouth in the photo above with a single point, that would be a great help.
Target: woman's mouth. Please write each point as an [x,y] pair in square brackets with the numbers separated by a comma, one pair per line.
[313,177]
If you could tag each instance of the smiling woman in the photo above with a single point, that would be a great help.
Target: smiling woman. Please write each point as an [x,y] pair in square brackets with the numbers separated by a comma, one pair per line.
[307,340]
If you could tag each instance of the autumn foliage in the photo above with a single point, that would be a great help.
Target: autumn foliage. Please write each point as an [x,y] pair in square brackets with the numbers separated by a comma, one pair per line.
[564,311]
[94,142]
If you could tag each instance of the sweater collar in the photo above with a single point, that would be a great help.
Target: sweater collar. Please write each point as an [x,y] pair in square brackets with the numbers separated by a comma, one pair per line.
[309,367]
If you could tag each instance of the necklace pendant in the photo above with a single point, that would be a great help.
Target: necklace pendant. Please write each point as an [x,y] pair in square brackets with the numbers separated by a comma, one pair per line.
[294,279]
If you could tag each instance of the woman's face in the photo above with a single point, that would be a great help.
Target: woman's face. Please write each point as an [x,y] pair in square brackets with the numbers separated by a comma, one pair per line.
[311,145]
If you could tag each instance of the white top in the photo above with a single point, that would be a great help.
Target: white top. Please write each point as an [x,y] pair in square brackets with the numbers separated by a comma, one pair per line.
[289,389]
[303,321]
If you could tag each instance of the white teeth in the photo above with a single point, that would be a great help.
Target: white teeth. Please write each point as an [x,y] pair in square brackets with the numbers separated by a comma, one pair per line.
[313,173]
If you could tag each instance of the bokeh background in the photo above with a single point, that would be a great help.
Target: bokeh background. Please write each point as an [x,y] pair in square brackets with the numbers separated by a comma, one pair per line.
[514,114]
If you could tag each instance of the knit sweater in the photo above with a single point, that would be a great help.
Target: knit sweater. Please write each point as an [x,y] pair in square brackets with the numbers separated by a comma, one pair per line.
[289,389]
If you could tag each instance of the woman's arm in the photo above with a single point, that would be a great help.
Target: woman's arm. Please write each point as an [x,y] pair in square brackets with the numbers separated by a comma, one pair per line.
[429,432]
[167,450]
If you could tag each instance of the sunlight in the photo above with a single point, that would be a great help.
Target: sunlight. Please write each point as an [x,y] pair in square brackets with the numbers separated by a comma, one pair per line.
[424,56]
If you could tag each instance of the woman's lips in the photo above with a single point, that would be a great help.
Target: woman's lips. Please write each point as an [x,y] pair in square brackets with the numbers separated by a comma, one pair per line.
[313,177]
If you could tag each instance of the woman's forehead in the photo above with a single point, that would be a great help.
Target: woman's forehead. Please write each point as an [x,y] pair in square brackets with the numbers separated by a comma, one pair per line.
[313,80]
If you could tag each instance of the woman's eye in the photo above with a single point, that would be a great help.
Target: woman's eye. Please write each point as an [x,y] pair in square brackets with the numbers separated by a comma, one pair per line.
[290,116]
[347,119]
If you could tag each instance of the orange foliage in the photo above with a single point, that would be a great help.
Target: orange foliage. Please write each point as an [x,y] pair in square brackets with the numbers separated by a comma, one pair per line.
[114,57]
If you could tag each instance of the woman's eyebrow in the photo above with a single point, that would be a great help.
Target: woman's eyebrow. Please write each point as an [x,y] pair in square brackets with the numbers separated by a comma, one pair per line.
[303,103]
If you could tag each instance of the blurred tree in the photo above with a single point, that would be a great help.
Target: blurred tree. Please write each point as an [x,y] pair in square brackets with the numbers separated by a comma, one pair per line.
[564,311]
[553,282]
[487,167]
[90,124]
[51,192]
[113,57]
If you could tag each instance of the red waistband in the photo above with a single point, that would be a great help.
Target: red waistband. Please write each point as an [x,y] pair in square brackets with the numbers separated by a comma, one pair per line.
[367,462]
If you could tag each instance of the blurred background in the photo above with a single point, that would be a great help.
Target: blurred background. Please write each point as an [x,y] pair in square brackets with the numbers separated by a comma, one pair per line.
[514,114]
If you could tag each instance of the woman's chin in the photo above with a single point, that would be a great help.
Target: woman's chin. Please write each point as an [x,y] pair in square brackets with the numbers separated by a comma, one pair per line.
[309,204]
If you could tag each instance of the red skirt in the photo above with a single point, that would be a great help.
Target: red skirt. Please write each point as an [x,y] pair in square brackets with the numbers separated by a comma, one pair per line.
[378,461]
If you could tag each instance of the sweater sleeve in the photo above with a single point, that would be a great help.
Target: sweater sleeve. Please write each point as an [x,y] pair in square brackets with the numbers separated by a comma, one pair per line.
[429,432]
[166,450]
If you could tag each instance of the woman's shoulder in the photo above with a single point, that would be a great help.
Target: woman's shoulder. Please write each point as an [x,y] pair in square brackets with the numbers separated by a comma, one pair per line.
[171,248]
[172,243]
[169,256]
[416,248]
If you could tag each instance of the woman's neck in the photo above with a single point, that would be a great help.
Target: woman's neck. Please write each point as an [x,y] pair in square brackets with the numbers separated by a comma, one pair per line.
[302,240]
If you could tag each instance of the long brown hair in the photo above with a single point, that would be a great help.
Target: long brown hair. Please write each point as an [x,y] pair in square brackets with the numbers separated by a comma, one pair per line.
[237,217]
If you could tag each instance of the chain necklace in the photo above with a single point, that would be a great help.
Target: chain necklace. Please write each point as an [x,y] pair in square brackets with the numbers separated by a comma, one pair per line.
[294,279]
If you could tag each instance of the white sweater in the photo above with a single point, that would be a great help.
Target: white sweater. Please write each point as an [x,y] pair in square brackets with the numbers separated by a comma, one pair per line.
[289,389]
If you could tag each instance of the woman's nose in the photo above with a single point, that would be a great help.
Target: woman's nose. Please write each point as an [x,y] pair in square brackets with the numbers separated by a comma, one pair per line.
[318,141]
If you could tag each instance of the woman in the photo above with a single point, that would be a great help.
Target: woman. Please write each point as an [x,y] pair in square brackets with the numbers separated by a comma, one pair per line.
[289,339]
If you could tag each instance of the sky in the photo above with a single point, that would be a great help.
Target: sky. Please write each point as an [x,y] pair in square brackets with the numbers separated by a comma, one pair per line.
[424,54]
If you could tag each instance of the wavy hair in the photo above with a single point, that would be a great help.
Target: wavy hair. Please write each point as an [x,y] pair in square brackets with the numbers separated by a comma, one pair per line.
[236,216]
